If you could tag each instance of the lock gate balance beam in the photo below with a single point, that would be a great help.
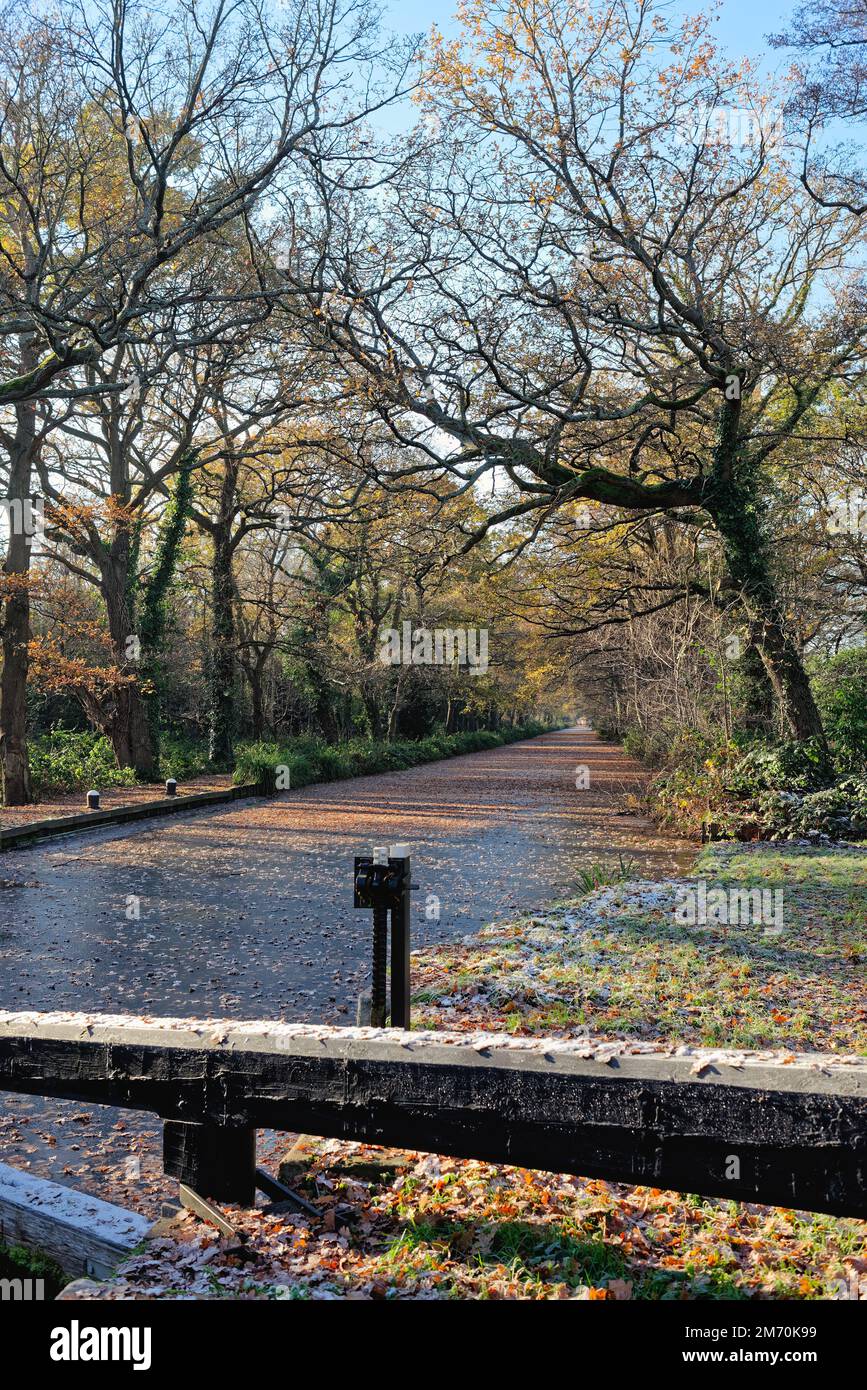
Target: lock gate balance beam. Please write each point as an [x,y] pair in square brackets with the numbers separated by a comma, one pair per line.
[758,1127]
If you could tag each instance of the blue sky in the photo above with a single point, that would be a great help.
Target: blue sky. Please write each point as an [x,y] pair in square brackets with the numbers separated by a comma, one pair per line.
[742,26]
[742,23]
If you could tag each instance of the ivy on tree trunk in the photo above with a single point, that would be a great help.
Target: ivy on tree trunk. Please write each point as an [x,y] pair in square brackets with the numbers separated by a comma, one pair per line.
[151,619]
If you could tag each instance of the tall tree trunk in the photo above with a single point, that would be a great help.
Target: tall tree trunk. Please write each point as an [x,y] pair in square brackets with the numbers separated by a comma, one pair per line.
[254,676]
[373,710]
[127,725]
[16,609]
[327,722]
[734,501]
[13,691]
[451,712]
[17,616]
[756,692]
[769,633]
[222,666]
[789,680]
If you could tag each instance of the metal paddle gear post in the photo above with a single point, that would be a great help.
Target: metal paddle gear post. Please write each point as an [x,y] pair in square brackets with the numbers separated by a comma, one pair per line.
[383,884]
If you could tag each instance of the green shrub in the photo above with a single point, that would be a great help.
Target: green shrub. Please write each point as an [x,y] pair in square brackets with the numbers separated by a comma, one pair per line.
[65,761]
[258,762]
[787,766]
[182,758]
[22,1262]
[683,795]
[312,760]
[653,750]
[609,733]
[840,811]
[840,688]
[766,789]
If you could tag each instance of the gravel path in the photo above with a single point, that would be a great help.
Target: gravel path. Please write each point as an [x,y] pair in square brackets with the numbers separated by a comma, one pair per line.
[246,911]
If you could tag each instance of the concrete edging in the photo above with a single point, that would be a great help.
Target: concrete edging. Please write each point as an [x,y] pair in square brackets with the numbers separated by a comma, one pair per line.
[20,836]
[82,1233]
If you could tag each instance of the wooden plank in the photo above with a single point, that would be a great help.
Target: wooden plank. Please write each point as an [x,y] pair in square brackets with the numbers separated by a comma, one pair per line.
[206,1211]
[759,1127]
[83,1234]
[213,1160]
[18,837]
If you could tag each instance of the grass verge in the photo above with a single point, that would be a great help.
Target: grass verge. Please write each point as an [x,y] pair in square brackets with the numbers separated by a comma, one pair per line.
[619,962]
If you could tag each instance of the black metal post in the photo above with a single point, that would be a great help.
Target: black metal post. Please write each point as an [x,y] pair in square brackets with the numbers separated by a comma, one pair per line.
[382,883]
[380,965]
[400,943]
